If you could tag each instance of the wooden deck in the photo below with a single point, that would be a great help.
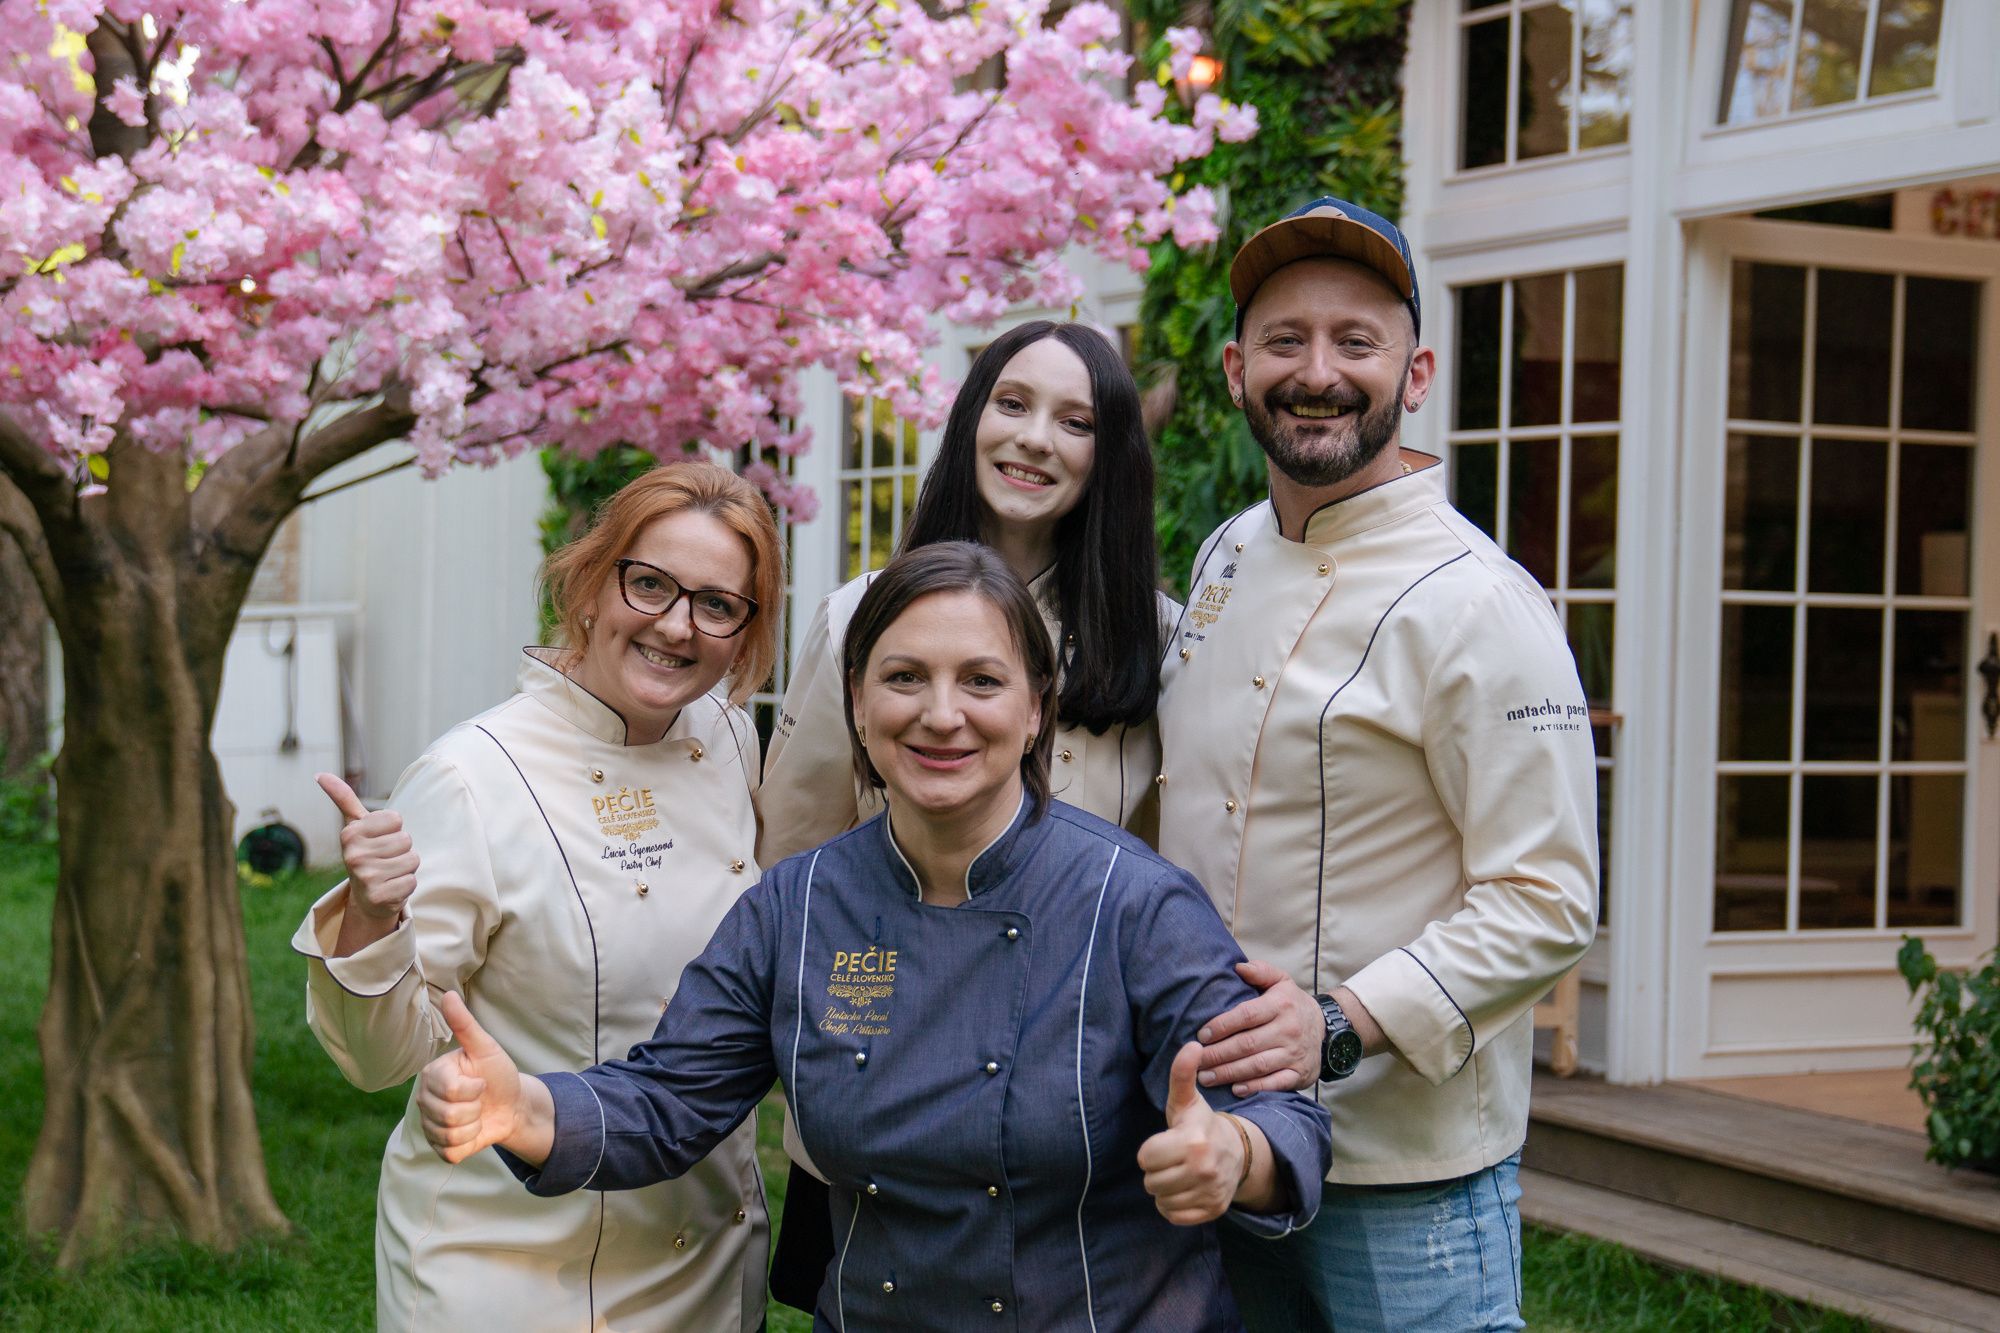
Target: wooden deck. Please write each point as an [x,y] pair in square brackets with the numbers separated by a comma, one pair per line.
[1677,1162]
[1876,1096]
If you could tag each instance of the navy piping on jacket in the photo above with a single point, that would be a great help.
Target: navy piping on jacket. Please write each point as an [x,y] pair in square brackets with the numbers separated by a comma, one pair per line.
[596,1011]
[1319,906]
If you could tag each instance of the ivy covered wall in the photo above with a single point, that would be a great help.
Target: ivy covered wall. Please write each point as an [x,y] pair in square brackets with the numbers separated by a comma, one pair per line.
[1325,77]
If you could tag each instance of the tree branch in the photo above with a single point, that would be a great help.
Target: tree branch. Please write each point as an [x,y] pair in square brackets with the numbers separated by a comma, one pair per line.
[247,492]
[19,521]
[701,289]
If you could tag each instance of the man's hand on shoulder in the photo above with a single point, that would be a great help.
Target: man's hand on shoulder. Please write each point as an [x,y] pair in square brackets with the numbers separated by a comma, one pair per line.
[1269,1044]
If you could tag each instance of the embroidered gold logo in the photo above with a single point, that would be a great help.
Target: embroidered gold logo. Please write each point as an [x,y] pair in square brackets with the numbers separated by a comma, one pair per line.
[858,983]
[626,813]
[1208,607]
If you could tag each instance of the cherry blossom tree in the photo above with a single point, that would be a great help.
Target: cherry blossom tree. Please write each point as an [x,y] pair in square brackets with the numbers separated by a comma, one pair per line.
[243,241]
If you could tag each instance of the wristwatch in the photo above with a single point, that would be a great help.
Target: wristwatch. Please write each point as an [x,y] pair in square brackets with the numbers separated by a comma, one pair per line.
[1341,1051]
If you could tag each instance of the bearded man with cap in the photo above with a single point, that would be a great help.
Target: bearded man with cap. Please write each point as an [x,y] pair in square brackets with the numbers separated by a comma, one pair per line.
[1378,762]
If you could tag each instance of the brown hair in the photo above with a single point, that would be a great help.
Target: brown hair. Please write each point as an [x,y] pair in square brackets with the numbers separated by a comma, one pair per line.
[574,576]
[956,567]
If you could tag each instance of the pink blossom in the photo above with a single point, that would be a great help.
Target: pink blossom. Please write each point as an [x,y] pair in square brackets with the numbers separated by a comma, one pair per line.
[603,223]
[127,103]
[1185,44]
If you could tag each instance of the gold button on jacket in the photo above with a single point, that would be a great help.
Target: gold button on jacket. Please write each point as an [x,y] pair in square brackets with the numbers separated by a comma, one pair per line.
[1408,807]
[564,963]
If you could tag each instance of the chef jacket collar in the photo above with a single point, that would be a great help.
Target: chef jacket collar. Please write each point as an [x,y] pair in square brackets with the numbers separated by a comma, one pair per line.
[995,862]
[540,678]
[1399,497]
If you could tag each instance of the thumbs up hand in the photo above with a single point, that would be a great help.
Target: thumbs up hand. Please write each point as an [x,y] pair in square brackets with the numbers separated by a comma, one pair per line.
[475,1097]
[1195,1166]
[380,858]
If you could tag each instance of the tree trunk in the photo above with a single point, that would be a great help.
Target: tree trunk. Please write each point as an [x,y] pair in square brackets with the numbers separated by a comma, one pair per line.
[147,1036]
[23,692]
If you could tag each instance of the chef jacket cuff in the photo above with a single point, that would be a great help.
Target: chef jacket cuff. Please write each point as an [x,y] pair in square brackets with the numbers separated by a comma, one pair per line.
[578,1150]
[1301,1157]
[369,972]
[1415,1013]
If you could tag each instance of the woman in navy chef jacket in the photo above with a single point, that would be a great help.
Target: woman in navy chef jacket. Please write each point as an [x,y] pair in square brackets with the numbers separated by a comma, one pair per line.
[982,1005]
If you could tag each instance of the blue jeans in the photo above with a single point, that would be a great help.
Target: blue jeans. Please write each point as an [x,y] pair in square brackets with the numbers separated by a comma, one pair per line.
[1438,1258]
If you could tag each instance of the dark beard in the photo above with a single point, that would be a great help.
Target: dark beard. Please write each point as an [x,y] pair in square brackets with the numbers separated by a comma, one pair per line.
[1326,461]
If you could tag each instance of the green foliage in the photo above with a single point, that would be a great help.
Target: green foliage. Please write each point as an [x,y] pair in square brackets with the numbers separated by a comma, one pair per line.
[578,487]
[1306,32]
[1324,77]
[27,803]
[1958,1072]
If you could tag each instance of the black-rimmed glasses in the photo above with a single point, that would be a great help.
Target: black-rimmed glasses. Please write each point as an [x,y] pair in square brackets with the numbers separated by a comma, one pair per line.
[716,612]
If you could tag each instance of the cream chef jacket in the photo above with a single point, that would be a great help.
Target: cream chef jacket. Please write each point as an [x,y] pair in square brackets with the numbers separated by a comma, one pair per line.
[566,880]
[1378,761]
[809,793]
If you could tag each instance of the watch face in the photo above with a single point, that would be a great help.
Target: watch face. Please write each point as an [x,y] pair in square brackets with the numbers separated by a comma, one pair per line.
[1343,1052]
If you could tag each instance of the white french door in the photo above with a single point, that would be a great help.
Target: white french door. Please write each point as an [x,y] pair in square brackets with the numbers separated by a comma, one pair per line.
[1836,788]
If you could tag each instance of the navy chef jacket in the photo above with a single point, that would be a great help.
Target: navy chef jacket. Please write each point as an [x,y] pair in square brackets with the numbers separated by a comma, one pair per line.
[974,1080]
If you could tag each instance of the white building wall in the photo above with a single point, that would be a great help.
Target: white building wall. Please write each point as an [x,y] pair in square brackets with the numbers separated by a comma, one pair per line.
[406,604]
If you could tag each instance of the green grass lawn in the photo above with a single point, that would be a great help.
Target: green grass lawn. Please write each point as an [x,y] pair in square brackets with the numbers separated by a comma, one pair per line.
[323,1141]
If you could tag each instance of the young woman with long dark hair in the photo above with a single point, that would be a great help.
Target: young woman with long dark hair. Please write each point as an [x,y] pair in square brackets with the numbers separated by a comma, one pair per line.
[1044,459]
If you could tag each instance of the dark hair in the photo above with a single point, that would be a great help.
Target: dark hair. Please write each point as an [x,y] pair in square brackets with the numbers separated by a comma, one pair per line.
[955,567]
[1106,551]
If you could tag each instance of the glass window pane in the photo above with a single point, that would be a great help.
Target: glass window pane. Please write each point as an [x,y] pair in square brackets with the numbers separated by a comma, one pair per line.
[1478,357]
[1929,688]
[1926,856]
[1471,5]
[1604,109]
[1483,132]
[1760,39]
[1837,852]
[1756,692]
[1533,475]
[1593,511]
[851,430]
[1940,335]
[1767,342]
[1590,636]
[1543,124]
[1843,713]
[881,522]
[1475,484]
[1932,494]
[883,431]
[1829,60]
[1600,320]
[1851,348]
[1906,43]
[850,522]
[1538,346]
[1850,516]
[1760,529]
[1752,823]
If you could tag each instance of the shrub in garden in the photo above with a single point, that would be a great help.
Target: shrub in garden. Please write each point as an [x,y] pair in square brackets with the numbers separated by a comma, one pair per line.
[1958,1069]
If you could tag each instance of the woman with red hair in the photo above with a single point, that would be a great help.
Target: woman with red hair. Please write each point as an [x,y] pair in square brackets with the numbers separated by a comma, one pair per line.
[579,844]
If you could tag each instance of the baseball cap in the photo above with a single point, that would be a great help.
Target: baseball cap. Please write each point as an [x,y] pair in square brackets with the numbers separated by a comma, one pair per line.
[1331,227]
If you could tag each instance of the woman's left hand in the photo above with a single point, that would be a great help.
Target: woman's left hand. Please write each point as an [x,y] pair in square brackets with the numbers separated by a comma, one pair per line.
[1194,1166]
